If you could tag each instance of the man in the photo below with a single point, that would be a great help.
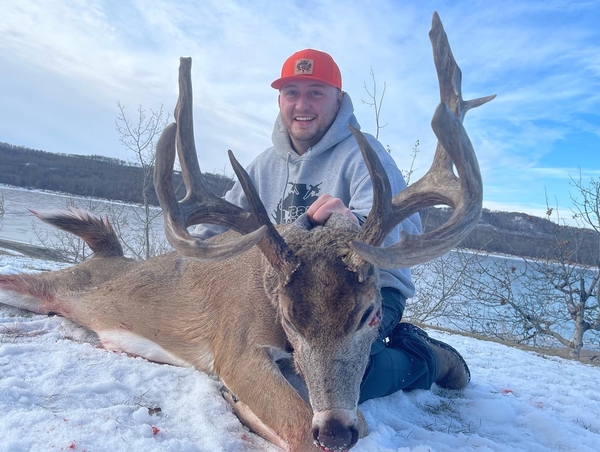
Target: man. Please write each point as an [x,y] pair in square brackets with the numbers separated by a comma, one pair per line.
[315,167]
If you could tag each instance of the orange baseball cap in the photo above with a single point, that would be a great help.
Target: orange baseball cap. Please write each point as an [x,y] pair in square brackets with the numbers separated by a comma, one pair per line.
[309,64]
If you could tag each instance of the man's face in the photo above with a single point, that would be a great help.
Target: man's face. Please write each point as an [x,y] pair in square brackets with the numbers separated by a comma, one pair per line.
[308,108]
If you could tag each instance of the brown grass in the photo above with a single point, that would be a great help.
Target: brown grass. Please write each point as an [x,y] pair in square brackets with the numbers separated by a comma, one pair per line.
[587,356]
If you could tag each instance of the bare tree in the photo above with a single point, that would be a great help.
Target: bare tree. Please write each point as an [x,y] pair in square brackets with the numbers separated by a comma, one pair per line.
[139,229]
[533,301]
[547,301]
[376,102]
[440,287]
[1,207]
[524,300]
[586,207]
[139,136]
[411,169]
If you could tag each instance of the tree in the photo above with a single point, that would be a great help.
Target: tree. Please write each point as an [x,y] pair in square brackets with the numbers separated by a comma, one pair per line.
[136,227]
[139,136]
[377,102]
[440,284]
[529,300]
[411,169]
[586,207]
[533,301]
[1,207]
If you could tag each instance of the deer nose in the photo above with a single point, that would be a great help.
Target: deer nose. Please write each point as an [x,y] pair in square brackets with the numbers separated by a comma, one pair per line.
[334,435]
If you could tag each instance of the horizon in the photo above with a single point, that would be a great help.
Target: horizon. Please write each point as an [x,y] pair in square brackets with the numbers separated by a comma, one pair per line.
[70,63]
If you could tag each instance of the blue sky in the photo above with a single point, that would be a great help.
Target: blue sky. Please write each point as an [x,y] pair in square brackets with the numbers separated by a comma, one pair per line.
[65,64]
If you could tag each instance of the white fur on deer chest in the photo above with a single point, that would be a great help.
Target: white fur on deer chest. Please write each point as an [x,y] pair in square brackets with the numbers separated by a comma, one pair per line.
[133,344]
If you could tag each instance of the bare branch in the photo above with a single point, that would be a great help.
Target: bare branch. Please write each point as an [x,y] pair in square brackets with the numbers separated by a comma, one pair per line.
[375,102]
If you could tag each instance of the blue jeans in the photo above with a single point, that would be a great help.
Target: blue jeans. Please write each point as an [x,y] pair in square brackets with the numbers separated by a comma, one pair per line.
[408,364]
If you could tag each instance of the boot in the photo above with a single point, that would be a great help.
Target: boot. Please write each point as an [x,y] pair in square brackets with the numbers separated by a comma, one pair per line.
[453,370]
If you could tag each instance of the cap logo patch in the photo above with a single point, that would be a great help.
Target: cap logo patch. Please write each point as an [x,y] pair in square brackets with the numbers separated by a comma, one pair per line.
[304,66]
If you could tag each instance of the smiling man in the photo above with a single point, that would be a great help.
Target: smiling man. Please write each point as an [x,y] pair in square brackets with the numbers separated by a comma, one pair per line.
[315,167]
[307,111]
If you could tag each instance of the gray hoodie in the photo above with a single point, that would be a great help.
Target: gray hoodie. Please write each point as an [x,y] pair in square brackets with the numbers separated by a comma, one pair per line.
[288,183]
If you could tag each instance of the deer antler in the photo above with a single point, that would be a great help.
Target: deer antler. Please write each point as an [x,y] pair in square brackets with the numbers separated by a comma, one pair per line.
[439,186]
[200,205]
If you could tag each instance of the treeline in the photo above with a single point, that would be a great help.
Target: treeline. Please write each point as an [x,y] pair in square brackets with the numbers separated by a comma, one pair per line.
[519,234]
[98,176]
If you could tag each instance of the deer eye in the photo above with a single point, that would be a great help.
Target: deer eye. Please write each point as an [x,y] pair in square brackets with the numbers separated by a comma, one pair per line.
[366,316]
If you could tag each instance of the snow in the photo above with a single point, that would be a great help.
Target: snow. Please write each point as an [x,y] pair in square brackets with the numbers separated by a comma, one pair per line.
[60,391]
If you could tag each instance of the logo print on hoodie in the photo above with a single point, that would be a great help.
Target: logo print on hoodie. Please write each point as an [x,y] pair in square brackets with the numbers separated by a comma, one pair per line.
[297,202]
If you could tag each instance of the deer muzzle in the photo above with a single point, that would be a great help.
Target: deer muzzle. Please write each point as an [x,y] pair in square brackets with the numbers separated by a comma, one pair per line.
[335,430]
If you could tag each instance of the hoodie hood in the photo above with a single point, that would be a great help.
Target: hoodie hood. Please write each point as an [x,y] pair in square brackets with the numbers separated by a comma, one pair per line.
[337,132]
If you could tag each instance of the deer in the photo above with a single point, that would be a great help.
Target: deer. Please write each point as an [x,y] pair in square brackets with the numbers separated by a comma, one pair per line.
[283,315]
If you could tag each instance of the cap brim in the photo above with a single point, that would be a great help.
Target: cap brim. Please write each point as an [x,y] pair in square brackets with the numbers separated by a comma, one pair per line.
[280,82]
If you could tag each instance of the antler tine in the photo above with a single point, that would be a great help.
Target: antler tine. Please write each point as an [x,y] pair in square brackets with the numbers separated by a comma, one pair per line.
[464,194]
[199,204]
[377,225]
[449,74]
[176,221]
[272,245]
[439,186]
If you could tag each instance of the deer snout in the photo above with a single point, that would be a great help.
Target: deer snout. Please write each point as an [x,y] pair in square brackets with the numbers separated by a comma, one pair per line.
[335,430]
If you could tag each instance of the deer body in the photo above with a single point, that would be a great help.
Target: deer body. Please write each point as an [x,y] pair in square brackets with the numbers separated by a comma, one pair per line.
[287,324]
[225,322]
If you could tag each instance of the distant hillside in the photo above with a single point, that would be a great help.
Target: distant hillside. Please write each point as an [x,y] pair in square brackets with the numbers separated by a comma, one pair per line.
[523,235]
[498,232]
[98,176]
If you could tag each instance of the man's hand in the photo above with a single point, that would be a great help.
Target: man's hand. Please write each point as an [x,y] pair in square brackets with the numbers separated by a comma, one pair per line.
[320,210]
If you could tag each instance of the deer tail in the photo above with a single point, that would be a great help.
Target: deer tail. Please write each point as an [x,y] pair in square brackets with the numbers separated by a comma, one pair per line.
[97,232]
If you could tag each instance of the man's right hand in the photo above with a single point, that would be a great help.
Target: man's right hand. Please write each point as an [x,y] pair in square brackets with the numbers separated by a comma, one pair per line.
[320,211]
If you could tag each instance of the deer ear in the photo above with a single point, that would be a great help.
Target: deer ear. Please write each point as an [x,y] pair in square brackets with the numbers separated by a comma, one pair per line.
[363,271]
[303,223]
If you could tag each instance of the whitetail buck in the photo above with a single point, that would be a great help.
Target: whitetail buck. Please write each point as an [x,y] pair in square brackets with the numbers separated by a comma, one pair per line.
[286,325]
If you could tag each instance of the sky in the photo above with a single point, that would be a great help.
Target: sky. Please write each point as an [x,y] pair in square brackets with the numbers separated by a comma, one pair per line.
[60,391]
[64,65]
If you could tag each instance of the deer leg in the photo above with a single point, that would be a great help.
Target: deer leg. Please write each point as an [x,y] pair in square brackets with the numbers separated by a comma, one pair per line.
[250,420]
[266,403]
[29,292]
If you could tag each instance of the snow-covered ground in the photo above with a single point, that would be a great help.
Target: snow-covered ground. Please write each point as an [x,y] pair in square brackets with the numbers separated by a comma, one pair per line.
[60,391]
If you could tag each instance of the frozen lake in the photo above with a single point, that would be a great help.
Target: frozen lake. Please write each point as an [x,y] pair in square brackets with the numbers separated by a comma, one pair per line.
[18,222]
